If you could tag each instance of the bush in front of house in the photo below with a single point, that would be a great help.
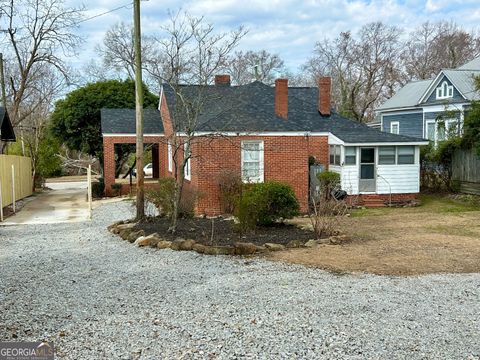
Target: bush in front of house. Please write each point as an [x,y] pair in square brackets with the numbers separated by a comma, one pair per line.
[98,188]
[163,198]
[265,204]
[230,186]
[329,180]
[116,189]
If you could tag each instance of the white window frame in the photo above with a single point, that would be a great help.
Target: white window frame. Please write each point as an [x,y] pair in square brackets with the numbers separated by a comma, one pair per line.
[447,122]
[336,151]
[444,91]
[188,166]
[398,151]
[434,130]
[379,155]
[260,177]
[397,123]
[345,155]
[170,156]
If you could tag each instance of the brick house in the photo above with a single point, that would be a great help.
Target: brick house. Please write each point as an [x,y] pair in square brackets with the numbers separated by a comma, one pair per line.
[269,133]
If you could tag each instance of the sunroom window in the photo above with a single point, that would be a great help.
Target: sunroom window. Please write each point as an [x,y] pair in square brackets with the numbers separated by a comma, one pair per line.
[350,155]
[386,155]
[335,151]
[405,155]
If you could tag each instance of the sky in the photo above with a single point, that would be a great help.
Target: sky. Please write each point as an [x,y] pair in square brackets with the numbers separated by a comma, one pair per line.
[289,28]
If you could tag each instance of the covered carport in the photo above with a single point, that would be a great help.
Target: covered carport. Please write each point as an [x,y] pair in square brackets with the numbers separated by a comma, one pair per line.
[118,127]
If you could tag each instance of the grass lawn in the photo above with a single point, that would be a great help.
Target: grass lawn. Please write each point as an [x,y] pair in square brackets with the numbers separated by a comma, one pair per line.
[440,236]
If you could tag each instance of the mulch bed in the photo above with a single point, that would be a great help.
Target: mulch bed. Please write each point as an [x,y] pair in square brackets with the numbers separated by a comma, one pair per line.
[224,230]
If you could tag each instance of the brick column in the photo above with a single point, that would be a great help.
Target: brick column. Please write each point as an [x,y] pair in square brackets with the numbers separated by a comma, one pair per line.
[108,164]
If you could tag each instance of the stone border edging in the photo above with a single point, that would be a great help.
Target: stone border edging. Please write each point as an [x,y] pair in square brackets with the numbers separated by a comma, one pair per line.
[124,229]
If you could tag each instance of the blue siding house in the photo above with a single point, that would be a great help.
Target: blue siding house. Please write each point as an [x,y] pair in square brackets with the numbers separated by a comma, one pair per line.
[432,109]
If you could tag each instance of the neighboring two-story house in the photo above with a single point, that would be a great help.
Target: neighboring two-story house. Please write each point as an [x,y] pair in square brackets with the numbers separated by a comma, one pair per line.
[432,109]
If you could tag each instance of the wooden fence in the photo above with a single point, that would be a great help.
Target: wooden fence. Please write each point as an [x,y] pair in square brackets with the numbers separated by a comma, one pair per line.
[22,177]
[466,170]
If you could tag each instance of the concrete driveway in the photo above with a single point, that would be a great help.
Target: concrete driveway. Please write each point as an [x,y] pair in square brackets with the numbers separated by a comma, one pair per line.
[66,202]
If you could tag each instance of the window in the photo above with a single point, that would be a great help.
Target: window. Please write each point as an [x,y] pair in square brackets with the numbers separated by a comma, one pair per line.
[350,155]
[406,154]
[187,168]
[439,131]
[386,155]
[430,135]
[395,127]
[444,91]
[252,161]
[335,151]
[170,157]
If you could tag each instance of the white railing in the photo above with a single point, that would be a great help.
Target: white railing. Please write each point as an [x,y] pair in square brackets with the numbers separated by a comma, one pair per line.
[389,188]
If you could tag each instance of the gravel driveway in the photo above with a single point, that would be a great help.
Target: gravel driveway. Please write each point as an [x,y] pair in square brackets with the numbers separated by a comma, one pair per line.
[98,297]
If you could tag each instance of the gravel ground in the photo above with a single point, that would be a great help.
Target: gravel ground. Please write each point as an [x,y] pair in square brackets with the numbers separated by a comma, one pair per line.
[98,297]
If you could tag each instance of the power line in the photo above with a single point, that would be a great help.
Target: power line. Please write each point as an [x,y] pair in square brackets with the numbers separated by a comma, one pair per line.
[104,13]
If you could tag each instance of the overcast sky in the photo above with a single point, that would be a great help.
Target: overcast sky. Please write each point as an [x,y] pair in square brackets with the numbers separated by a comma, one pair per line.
[289,28]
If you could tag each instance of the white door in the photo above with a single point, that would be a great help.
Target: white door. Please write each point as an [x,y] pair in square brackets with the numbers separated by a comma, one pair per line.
[367,176]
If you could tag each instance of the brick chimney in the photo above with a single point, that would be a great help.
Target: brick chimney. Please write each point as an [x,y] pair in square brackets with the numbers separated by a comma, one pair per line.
[222,80]
[281,98]
[324,93]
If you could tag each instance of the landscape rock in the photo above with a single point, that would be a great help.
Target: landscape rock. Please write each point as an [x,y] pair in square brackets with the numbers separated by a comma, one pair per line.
[242,248]
[186,245]
[124,234]
[134,235]
[150,240]
[274,247]
[176,244]
[164,244]
[142,241]
[338,239]
[311,243]
[295,244]
[219,250]
[199,248]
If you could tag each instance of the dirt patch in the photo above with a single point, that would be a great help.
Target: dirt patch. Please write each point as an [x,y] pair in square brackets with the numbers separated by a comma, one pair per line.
[224,232]
[400,242]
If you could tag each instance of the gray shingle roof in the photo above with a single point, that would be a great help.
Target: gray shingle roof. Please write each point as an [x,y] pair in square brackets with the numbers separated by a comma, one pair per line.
[6,129]
[464,81]
[471,65]
[407,96]
[251,108]
[462,78]
[122,121]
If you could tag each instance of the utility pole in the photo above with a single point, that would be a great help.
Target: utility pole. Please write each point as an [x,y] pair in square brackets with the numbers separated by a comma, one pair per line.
[139,110]
[2,79]
[4,96]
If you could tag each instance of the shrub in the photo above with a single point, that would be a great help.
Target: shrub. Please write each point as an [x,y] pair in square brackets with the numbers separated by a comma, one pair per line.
[116,189]
[326,217]
[98,188]
[230,185]
[329,180]
[266,203]
[163,197]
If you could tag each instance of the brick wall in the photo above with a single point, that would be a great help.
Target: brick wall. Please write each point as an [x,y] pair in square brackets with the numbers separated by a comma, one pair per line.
[285,159]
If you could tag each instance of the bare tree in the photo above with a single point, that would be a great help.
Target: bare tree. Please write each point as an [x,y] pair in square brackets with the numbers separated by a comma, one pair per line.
[435,46]
[244,67]
[364,68]
[118,55]
[39,34]
[193,52]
